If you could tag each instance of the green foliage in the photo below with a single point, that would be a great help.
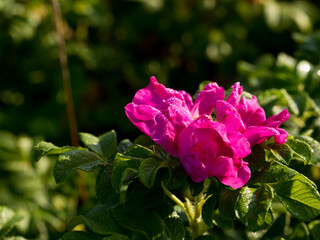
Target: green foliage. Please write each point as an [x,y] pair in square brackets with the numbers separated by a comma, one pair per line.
[8,220]
[131,190]
[39,207]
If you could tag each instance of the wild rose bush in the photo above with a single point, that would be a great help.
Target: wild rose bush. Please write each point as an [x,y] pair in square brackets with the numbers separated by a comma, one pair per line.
[164,184]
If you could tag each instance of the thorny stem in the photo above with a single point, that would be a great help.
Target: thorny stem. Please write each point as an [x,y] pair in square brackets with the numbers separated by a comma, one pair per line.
[65,74]
[193,210]
[175,199]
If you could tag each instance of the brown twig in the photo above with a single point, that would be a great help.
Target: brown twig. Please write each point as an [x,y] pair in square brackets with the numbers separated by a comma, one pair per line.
[65,74]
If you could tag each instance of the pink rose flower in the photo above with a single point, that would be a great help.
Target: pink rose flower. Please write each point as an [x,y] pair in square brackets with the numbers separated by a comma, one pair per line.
[206,148]
[257,128]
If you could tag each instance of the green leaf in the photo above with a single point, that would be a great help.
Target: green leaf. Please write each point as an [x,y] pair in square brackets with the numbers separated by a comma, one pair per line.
[300,197]
[8,219]
[108,143]
[126,166]
[104,145]
[75,159]
[174,227]
[254,208]
[219,220]
[301,150]
[46,148]
[243,203]
[227,200]
[104,190]
[315,146]
[100,221]
[124,145]
[91,142]
[146,222]
[124,170]
[139,151]
[300,232]
[138,196]
[148,170]
[77,235]
[88,139]
[208,210]
[314,228]
[278,173]
[116,237]
[282,153]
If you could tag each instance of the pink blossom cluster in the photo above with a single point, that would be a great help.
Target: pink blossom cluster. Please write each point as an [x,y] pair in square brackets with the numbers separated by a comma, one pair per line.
[211,136]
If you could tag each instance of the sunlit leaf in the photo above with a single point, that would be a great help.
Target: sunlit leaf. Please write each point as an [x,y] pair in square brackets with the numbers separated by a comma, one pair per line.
[315,146]
[75,159]
[300,198]
[301,150]
[174,227]
[44,148]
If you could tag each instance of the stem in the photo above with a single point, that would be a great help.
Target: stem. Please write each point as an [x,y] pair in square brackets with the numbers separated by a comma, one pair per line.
[67,90]
[193,210]
[176,200]
[65,74]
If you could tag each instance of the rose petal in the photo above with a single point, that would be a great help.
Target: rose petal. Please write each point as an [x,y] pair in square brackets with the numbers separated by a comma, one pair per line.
[169,122]
[276,120]
[229,116]
[235,95]
[282,137]
[142,116]
[187,98]
[238,177]
[251,113]
[155,94]
[239,144]
[258,134]
[206,100]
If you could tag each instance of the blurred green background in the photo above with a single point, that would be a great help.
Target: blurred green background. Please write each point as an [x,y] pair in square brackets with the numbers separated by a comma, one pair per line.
[113,48]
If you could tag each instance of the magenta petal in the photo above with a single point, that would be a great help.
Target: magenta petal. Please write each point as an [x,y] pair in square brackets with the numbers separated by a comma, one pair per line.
[206,100]
[276,120]
[195,169]
[187,98]
[238,177]
[258,134]
[235,95]
[282,137]
[239,144]
[142,116]
[155,94]
[251,113]
[169,122]
[221,166]
[229,116]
